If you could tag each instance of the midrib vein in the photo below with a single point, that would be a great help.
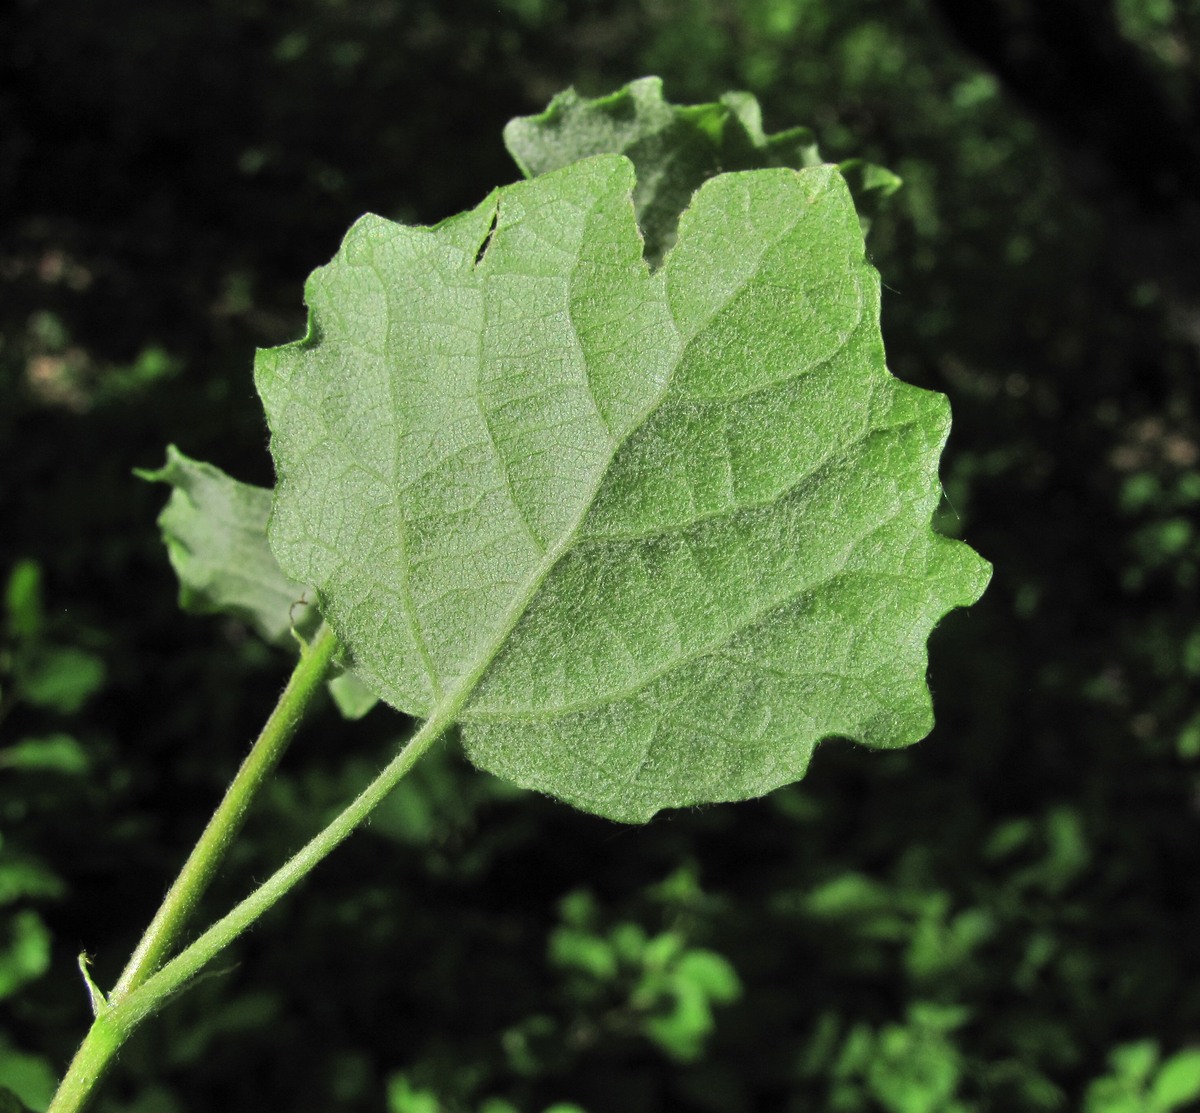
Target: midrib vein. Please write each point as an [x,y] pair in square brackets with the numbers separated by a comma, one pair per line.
[446,709]
[754,617]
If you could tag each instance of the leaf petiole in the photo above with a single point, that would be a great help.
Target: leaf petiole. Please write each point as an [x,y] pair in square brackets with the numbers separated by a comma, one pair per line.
[115,1020]
[114,1026]
[197,872]
[154,992]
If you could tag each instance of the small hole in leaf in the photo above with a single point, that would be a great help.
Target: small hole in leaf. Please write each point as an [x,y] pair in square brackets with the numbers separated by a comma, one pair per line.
[487,240]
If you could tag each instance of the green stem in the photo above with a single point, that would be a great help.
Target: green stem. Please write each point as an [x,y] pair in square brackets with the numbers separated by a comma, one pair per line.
[89,1066]
[114,1025]
[114,1022]
[185,965]
[226,821]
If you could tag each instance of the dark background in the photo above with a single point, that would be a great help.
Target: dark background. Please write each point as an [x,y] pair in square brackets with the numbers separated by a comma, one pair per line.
[978,923]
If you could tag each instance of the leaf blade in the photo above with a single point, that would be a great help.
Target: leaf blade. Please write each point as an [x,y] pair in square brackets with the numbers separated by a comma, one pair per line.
[674,149]
[214,529]
[629,529]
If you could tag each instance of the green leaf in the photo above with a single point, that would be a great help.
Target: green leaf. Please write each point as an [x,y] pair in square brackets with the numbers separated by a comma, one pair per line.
[22,876]
[403,1097]
[23,601]
[1135,1061]
[849,896]
[646,537]
[497,1105]
[10,1103]
[674,148]
[60,678]
[688,1019]
[1178,1082]
[29,1079]
[58,753]
[215,530]
[352,697]
[580,950]
[712,973]
[24,951]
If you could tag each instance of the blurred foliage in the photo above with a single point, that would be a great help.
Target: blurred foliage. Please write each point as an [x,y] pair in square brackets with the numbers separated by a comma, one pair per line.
[1140,1083]
[1000,918]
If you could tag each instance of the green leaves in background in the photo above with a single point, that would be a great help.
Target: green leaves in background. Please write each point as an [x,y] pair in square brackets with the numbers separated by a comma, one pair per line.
[909,1067]
[10,1103]
[647,537]
[59,753]
[24,956]
[660,986]
[1100,591]
[35,668]
[215,530]
[404,1097]
[28,1080]
[674,148]
[1140,1082]
[44,675]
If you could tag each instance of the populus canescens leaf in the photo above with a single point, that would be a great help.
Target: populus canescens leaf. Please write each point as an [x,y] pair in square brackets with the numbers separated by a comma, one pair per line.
[674,148]
[215,526]
[215,531]
[645,537]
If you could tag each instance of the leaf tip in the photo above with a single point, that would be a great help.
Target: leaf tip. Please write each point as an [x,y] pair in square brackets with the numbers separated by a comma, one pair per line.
[166,473]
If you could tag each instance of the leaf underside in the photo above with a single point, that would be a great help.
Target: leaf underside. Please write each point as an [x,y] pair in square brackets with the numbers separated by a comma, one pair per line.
[215,531]
[674,148]
[646,537]
[214,528]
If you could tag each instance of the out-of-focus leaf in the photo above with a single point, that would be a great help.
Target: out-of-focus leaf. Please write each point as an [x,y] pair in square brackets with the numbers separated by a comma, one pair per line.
[25,877]
[23,601]
[403,1097]
[10,1103]
[59,678]
[58,753]
[28,1078]
[24,951]
[712,973]
[1178,1082]
[581,950]
[498,1105]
